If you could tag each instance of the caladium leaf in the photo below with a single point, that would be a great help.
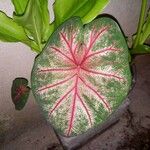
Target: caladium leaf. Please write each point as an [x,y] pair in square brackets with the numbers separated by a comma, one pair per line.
[82,76]
[10,31]
[20,6]
[20,92]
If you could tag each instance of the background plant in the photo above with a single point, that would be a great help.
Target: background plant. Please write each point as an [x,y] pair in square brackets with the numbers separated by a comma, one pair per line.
[139,45]
[31,22]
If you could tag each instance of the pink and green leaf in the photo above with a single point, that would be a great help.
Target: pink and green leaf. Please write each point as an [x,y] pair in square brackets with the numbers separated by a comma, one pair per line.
[20,92]
[82,76]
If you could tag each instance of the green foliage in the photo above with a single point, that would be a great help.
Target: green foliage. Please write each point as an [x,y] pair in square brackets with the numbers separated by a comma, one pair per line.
[20,6]
[20,92]
[31,19]
[96,7]
[64,9]
[10,31]
[86,9]
[141,49]
[143,32]
[45,20]
[31,23]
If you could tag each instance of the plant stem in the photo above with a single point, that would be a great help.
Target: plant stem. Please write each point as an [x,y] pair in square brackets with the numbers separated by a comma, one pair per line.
[141,22]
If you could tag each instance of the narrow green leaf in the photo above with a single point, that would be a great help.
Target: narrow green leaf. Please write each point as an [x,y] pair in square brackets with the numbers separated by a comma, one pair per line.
[32,20]
[20,92]
[45,19]
[140,24]
[10,31]
[64,9]
[141,49]
[145,30]
[48,32]
[20,6]
[86,9]
[33,45]
[98,6]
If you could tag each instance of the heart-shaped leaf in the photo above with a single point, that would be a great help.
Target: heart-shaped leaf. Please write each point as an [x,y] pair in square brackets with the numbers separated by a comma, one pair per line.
[82,76]
[20,92]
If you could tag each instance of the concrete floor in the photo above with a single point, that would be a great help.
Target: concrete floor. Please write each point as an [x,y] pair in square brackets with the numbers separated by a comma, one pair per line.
[131,132]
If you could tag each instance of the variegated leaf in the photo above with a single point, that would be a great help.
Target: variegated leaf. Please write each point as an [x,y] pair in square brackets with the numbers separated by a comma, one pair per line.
[82,76]
[20,92]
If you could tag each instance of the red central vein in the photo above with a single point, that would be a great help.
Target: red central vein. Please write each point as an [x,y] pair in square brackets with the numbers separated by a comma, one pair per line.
[60,100]
[20,91]
[69,46]
[59,51]
[73,107]
[57,69]
[86,109]
[18,95]
[93,39]
[99,52]
[105,103]
[102,74]
[56,84]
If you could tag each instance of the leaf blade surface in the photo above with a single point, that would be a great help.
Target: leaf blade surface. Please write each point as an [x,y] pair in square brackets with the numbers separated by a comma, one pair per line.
[78,77]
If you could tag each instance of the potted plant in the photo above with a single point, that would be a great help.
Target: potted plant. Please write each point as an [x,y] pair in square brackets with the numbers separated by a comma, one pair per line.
[67,57]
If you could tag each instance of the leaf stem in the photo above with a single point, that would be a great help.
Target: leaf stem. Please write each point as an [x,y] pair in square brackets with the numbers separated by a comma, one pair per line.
[32,45]
[141,22]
